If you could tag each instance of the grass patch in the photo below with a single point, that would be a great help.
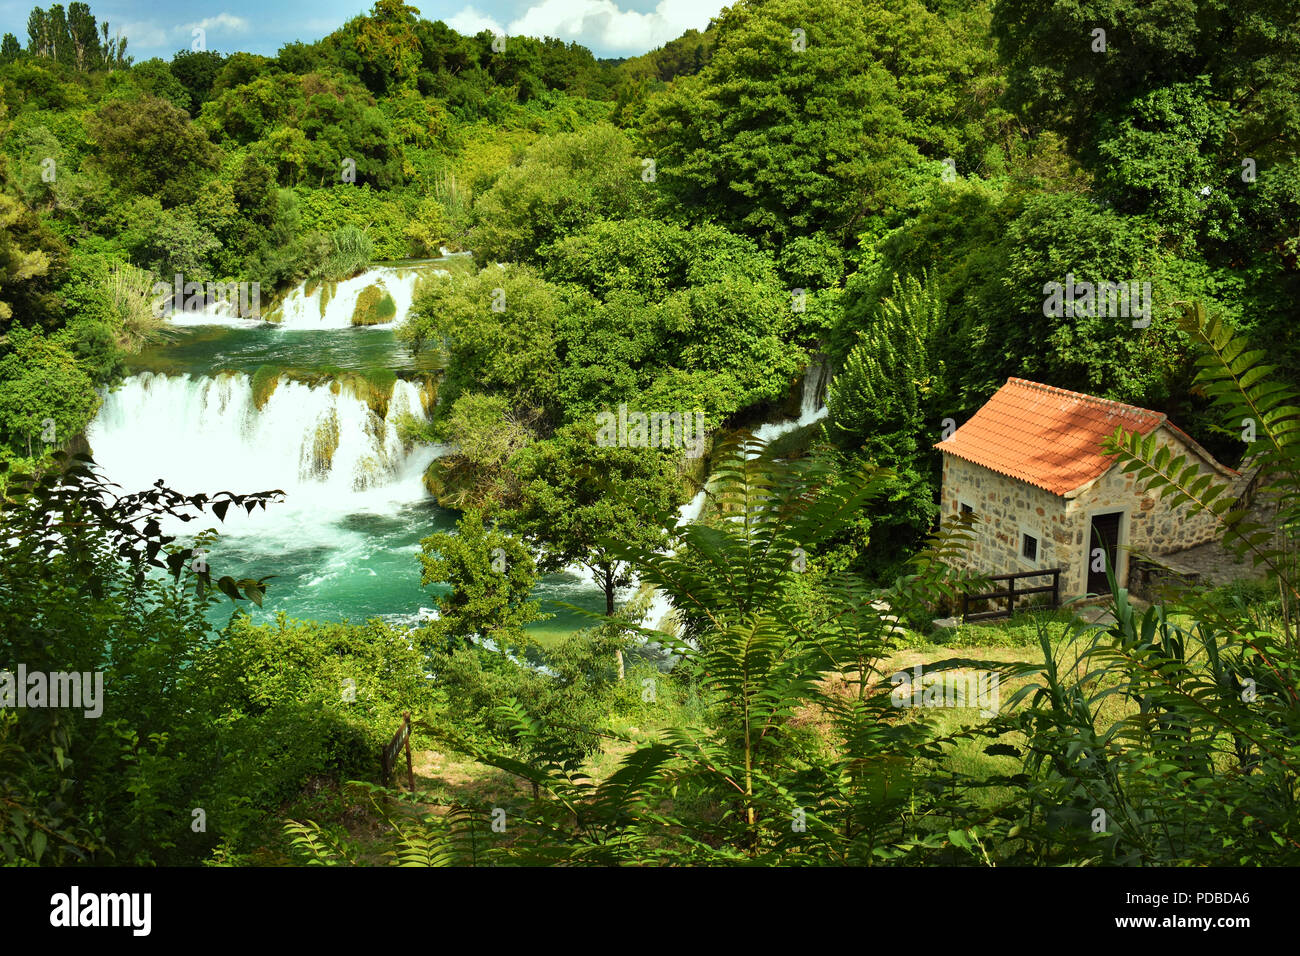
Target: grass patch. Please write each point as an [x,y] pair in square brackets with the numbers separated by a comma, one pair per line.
[1021,630]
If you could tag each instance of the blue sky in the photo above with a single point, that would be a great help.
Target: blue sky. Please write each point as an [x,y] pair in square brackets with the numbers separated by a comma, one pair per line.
[607,27]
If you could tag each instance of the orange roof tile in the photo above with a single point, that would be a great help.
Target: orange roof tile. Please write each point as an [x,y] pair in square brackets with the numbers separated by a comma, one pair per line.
[1048,437]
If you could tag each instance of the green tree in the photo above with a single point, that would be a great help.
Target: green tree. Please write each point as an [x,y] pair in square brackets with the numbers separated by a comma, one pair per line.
[83,36]
[150,147]
[761,655]
[305,127]
[564,182]
[884,406]
[487,433]
[885,393]
[155,77]
[25,259]
[781,135]
[499,330]
[38,33]
[114,48]
[491,576]
[61,46]
[1058,74]
[579,497]
[46,398]
[10,49]
[381,48]
[196,70]
[1170,107]
[701,300]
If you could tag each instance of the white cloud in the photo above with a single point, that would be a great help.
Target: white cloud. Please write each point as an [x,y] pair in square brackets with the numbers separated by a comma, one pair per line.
[222,21]
[142,35]
[601,24]
[148,35]
[469,22]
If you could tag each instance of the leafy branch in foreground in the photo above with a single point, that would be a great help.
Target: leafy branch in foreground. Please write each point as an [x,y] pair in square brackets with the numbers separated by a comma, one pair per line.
[41,512]
[1247,394]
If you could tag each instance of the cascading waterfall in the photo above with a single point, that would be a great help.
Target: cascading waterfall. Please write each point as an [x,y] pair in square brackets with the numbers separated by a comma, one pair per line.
[657,616]
[214,313]
[322,445]
[811,403]
[346,540]
[691,511]
[380,297]
[339,305]
[811,407]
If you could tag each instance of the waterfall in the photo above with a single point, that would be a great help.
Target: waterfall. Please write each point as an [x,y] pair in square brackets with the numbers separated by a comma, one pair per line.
[322,445]
[811,407]
[814,381]
[345,540]
[689,513]
[341,305]
[215,313]
[380,297]
[657,615]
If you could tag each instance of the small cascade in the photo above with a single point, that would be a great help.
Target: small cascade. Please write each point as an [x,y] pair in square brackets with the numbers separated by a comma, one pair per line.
[811,407]
[215,313]
[380,297]
[690,512]
[811,401]
[657,616]
[376,298]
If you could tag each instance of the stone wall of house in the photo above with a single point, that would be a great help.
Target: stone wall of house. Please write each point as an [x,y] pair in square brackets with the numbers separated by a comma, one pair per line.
[1155,526]
[1007,508]
[1004,509]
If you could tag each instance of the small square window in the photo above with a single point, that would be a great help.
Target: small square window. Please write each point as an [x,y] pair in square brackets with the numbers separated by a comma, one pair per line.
[966,509]
[1029,547]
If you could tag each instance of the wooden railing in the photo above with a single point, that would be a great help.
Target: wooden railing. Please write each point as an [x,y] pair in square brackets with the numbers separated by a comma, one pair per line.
[1011,592]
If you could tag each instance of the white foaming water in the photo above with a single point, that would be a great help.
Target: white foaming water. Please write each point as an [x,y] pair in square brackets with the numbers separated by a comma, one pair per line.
[689,513]
[298,310]
[326,449]
[657,616]
[218,313]
[302,311]
[811,408]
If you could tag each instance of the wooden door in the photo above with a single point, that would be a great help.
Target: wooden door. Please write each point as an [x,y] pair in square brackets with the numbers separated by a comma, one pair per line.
[1104,536]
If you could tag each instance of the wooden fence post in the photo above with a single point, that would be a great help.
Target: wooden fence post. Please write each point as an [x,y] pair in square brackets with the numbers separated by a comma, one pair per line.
[401,739]
[410,768]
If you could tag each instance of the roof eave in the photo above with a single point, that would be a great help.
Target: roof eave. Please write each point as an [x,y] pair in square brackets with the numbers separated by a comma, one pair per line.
[999,471]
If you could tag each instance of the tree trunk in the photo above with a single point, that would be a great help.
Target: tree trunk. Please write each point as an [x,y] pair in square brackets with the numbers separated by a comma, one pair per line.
[609,612]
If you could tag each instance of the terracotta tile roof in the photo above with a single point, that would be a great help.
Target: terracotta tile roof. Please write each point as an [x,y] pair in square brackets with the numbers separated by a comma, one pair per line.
[1048,437]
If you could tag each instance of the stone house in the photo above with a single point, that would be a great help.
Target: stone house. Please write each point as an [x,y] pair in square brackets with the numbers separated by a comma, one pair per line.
[1029,464]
